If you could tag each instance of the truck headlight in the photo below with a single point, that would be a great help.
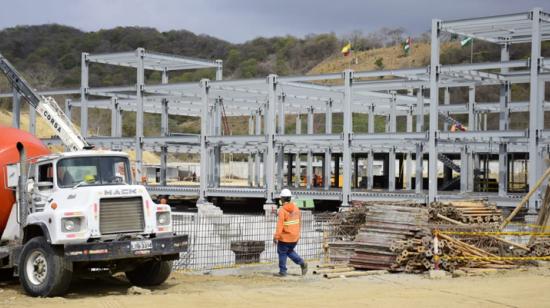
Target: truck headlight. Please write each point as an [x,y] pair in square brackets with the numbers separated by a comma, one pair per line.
[72,224]
[163,218]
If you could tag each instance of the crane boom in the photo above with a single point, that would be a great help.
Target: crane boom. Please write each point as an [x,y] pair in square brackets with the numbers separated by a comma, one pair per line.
[47,107]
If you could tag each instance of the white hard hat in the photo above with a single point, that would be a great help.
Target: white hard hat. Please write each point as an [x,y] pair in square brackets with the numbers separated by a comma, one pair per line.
[285,193]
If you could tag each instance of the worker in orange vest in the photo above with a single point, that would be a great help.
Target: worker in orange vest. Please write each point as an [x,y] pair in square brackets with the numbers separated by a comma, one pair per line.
[287,233]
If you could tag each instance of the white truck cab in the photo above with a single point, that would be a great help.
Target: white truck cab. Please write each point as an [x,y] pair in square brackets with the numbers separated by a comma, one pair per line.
[83,213]
[89,196]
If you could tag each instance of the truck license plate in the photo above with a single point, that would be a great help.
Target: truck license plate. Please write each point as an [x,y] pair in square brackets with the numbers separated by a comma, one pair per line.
[141,245]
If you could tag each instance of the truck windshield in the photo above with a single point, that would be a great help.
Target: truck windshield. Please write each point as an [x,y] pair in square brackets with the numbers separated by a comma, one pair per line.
[85,171]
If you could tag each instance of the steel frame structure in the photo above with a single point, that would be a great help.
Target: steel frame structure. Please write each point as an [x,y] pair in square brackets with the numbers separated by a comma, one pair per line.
[268,102]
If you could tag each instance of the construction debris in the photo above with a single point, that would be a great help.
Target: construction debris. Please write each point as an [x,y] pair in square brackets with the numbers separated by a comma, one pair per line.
[469,211]
[399,237]
[391,238]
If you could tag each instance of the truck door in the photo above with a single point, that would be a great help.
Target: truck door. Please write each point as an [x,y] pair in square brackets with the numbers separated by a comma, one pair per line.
[43,187]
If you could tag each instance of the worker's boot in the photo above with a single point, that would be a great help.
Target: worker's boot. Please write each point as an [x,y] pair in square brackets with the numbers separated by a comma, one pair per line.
[304,268]
[280,274]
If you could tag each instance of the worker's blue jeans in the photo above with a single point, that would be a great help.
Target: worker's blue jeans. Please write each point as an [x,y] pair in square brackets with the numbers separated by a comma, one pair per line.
[287,250]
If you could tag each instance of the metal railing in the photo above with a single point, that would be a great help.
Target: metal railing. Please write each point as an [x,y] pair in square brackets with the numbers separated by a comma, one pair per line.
[228,240]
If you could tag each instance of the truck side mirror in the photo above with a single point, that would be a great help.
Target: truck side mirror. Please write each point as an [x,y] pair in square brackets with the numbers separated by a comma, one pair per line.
[30,185]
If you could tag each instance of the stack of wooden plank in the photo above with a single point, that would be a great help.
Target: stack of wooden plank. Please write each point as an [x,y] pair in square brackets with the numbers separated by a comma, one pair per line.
[341,251]
[381,240]
[468,211]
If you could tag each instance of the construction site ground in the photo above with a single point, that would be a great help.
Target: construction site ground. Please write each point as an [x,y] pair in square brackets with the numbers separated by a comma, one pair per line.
[256,287]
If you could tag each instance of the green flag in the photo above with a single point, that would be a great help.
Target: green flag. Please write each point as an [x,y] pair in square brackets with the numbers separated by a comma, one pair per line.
[465,41]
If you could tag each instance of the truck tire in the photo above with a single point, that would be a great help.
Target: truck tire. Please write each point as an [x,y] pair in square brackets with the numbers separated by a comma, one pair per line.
[151,273]
[43,271]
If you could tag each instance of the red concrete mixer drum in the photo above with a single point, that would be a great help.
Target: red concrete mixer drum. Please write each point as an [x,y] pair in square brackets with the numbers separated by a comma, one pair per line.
[8,155]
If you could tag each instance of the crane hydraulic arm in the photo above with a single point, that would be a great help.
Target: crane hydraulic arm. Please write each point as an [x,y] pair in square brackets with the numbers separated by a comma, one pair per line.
[47,108]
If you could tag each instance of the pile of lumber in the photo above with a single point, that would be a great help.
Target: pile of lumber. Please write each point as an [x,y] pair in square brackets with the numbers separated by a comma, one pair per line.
[540,247]
[331,271]
[392,237]
[399,236]
[458,254]
[341,251]
[468,211]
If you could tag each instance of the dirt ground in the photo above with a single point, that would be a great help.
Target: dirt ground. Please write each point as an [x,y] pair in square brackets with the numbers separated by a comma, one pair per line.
[258,288]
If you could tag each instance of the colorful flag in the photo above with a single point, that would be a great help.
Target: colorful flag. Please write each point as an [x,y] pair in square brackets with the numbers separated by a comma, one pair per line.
[346,50]
[407,45]
[465,41]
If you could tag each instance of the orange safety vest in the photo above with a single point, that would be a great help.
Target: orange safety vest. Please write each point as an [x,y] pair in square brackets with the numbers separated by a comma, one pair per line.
[288,223]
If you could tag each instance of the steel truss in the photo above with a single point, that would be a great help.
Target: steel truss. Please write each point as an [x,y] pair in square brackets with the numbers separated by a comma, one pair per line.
[399,96]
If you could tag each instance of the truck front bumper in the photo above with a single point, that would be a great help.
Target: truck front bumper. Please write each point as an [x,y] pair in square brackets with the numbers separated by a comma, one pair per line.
[169,246]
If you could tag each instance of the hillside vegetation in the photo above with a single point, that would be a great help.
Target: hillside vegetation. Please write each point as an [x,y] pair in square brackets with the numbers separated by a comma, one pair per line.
[49,57]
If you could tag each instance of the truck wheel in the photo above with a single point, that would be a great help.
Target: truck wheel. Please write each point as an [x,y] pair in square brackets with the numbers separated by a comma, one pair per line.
[151,273]
[42,269]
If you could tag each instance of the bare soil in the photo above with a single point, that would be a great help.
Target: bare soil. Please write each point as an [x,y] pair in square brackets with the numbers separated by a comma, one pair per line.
[245,288]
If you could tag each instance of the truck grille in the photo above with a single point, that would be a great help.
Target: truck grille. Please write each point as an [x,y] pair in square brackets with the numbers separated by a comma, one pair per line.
[121,215]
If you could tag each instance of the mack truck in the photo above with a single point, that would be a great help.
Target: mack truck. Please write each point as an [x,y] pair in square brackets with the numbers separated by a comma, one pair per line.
[78,212]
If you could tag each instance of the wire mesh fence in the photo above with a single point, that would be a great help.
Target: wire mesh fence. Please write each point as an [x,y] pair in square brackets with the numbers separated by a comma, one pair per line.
[227,240]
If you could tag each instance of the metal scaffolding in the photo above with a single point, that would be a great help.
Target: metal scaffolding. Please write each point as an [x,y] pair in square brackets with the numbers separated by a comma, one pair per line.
[273,151]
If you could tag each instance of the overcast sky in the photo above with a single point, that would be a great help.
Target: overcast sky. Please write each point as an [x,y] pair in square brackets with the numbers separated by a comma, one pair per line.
[241,20]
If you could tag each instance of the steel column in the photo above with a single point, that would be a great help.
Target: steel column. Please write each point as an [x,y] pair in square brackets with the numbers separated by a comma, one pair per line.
[504,119]
[347,131]
[309,167]
[464,169]
[205,88]
[535,126]
[270,132]
[258,155]
[408,162]
[419,186]
[370,154]
[164,131]
[84,85]
[446,101]
[434,102]
[140,83]
[297,169]
[250,160]
[219,70]
[419,157]
[391,155]
[114,116]
[217,121]
[328,155]
[281,131]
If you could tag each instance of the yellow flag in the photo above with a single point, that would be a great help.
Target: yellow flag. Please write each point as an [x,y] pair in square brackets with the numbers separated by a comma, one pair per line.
[346,50]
